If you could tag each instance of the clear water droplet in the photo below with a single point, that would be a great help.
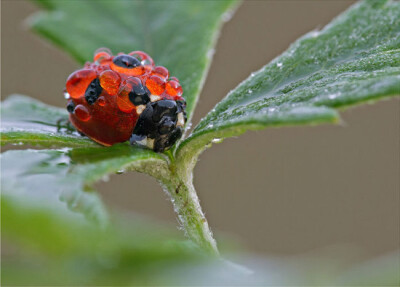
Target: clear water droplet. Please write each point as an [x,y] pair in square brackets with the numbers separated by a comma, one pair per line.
[188,126]
[227,16]
[279,65]
[210,53]
[314,34]
[217,140]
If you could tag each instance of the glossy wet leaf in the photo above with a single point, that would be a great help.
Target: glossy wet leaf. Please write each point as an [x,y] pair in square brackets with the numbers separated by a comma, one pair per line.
[354,59]
[28,121]
[179,35]
[65,177]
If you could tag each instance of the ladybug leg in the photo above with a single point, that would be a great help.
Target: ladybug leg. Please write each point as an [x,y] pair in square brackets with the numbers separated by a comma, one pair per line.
[160,125]
[64,125]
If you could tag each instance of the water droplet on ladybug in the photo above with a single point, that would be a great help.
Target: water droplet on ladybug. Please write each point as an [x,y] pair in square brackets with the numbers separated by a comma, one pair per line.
[127,65]
[110,81]
[103,49]
[126,61]
[101,55]
[82,113]
[78,82]
[156,85]
[173,79]
[144,59]
[173,88]
[101,101]
[139,94]
[123,101]
[161,71]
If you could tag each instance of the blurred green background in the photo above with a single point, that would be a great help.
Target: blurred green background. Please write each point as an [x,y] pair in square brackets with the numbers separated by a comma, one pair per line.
[315,192]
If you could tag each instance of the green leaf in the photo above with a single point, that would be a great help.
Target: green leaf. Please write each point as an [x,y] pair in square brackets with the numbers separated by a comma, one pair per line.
[177,34]
[28,121]
[354,59]
[53,248]
[42,246]
[65,177]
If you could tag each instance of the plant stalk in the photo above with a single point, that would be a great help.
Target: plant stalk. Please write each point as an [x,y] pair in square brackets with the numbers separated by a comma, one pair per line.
[191,217]
[176,178]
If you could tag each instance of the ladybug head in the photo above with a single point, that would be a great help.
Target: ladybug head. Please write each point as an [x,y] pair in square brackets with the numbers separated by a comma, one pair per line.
[160,124]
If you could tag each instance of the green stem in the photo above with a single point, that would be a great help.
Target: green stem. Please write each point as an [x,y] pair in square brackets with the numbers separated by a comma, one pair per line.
[176,177]
[191,217]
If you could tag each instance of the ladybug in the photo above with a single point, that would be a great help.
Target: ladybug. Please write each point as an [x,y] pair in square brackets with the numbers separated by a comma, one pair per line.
[126,97]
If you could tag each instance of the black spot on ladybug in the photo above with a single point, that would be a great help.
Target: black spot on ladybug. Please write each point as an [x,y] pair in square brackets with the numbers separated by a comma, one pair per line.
[70,107]
[139,95]
[93,91]
[158,121]
[126,61]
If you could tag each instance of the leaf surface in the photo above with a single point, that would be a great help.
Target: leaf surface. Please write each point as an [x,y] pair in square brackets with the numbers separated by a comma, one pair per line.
[74,253]
[28,121]
[354,59]
[65,177]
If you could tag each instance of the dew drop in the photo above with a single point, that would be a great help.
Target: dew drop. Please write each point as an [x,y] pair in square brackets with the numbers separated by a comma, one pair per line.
[156,85]
[227,16]
[173,88]
[110,81]
[144,59]
[78,82]
[217,140]
[161,71]
[101,101]
[123,102]
[101,55]
[210,53]
[188,126]
[82,113]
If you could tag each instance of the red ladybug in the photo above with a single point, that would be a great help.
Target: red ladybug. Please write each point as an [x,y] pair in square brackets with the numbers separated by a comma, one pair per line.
[126,97]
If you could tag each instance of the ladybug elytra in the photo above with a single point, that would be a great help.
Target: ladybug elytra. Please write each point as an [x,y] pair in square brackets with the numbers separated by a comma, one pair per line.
[126,97]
